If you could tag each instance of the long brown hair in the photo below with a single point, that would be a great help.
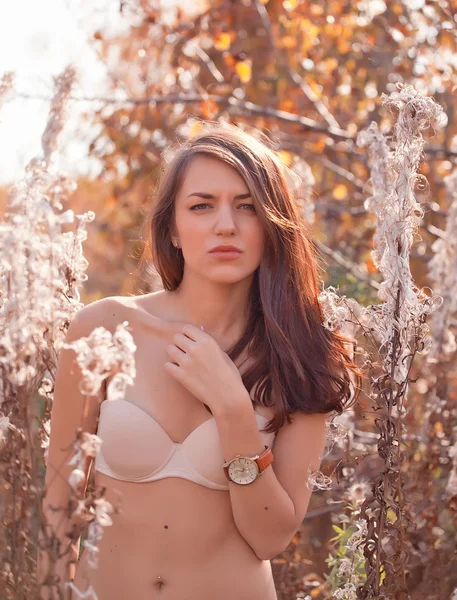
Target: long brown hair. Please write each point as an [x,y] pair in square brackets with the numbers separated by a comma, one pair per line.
[298,364]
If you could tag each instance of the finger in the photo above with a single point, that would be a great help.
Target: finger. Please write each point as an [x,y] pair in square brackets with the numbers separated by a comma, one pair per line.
[194,333]
[172,368]
[176,353]
[155,324]
[183,342]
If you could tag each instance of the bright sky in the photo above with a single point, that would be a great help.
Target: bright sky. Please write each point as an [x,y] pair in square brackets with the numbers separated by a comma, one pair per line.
[37,40]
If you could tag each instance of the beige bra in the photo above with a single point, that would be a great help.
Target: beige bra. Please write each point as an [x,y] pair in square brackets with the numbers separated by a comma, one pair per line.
[136,448]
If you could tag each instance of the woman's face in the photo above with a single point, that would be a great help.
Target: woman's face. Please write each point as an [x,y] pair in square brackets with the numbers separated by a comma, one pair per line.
[209,213]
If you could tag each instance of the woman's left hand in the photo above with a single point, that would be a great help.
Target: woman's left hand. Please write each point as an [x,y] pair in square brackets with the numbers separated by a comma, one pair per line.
[200,365]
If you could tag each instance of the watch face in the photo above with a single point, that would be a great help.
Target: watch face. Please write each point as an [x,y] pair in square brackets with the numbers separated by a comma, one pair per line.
[243,470]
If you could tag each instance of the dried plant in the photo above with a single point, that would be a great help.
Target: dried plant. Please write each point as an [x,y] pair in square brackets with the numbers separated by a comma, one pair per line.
[395,333]
[434,500]
[399,326]
[41,270]
[347,561]
[6,86]
[100,356]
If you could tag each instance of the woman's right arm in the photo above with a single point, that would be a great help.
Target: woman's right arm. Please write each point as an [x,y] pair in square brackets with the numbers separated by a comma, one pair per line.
[70,410]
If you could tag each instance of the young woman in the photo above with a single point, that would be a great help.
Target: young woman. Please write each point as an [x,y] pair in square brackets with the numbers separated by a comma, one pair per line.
[232,359]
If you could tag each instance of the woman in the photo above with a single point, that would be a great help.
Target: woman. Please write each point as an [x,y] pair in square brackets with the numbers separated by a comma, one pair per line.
[232,359]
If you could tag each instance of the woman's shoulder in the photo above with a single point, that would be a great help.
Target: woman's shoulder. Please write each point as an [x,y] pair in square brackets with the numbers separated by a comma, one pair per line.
[103,311]
[145,312]
[118,305]
[106,312]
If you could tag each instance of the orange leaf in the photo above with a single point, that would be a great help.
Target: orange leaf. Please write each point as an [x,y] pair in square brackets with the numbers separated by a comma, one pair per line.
[291,4]
[286,157]
[344,46]
[195,128]
[222,41]
[320,145]
[370,265]
[333,30]
[309,28]
[340,192]
[229,60]
[316,10]
[286,105]
[330,64]
[209,108]
[288,42]
[316,87]
[244,70]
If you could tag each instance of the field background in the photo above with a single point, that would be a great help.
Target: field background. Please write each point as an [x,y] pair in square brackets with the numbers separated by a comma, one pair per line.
[313,75]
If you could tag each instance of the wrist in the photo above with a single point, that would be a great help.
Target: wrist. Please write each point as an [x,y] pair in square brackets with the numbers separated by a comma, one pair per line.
[235,405]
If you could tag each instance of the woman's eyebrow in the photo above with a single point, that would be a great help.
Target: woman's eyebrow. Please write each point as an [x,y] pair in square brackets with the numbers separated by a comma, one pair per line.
[211,197]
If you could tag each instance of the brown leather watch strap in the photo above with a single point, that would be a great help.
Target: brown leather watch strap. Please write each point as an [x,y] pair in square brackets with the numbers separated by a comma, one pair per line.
[265,459]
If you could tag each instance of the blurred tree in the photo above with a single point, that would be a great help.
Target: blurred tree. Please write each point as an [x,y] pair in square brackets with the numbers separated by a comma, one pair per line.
[312,74]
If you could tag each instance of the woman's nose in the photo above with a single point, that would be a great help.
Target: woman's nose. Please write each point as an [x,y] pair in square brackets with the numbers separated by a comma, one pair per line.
[225,223]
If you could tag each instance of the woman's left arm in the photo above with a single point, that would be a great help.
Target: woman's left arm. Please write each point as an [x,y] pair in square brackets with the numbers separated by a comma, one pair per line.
[269,511]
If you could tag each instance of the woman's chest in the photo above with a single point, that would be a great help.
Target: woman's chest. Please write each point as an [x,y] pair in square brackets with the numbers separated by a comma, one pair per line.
[156,392]
[159,430]
[161,395]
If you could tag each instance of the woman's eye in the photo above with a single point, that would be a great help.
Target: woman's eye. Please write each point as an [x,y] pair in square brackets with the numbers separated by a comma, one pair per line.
[204,204]
[197,205]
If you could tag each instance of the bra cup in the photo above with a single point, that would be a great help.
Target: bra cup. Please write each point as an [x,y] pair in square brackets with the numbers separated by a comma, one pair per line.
[204,453]
[134,445]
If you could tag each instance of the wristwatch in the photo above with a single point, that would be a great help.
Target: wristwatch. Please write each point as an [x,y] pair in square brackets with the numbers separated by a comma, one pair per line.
[245,469]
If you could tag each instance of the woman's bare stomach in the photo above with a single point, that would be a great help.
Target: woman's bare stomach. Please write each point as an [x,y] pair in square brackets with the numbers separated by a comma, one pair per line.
[180,534]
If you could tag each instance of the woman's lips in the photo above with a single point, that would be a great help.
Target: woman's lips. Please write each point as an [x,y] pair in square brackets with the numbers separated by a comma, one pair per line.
[226,254]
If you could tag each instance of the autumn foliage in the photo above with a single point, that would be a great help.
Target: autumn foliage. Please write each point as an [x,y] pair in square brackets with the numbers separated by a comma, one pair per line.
[359,99]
